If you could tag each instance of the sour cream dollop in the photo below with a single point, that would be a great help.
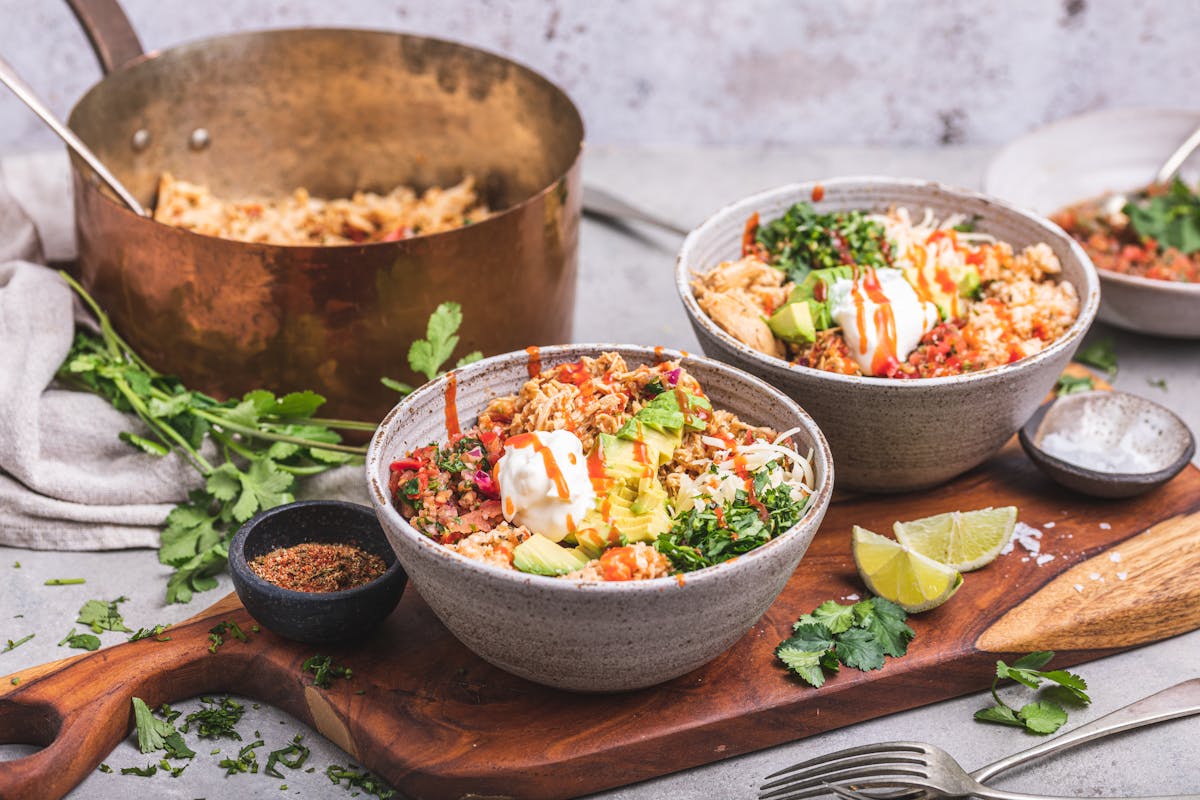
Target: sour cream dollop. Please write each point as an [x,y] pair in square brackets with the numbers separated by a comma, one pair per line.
[544,482]
[881,317]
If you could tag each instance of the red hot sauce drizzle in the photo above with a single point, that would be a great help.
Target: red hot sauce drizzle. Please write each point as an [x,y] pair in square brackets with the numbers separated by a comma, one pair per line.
[534,366]
[452,427]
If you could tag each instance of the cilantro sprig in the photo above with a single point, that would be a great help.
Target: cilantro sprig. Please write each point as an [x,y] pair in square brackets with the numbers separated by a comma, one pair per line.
[261,444]
[858,636]
[803,240]
[430,354]
[1069,384]
[1044,715]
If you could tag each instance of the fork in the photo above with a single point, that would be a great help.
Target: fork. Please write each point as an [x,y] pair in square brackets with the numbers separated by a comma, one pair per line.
[906,765]
[815,777]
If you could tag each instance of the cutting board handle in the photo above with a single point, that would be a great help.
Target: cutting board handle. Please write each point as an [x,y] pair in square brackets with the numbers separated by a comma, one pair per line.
[78,710]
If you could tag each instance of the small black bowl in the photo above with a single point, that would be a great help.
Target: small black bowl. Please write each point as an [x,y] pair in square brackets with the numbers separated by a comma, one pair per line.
[315,617]
[1164,445]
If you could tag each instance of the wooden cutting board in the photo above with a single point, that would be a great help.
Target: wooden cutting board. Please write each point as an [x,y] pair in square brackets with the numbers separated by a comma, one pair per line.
[437,722]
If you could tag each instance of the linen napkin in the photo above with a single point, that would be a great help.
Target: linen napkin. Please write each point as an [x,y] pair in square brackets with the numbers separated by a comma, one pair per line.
[67,482]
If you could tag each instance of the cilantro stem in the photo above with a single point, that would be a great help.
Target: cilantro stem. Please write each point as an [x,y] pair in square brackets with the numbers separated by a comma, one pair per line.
[344,424]
[315,469]
[116,345]
[158,428]
[271,436]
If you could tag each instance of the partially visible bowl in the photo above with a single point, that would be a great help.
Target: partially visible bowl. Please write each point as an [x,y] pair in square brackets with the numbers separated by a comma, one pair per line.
[574,634]
[1108,444]
[891,435]
[315,617]
[1083,157]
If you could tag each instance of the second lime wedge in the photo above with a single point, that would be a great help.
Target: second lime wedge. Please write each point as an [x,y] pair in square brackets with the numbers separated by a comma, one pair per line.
[962,540]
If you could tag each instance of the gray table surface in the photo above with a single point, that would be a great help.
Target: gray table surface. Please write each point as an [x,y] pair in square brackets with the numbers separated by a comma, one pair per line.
[626,294]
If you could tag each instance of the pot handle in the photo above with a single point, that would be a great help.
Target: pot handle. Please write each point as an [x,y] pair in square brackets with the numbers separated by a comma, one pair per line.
[109,31]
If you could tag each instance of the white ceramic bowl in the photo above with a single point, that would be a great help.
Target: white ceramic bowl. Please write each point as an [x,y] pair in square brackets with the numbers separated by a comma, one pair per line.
[1117,150]
[574,634]
[892,435]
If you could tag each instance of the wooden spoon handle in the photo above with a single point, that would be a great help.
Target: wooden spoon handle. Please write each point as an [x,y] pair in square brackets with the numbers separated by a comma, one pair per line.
[79,708]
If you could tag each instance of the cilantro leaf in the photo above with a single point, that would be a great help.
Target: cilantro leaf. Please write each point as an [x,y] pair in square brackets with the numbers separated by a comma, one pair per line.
[429,354]
[1034,660]
[834,616]
[999,713]
[81,641]
[859,649]
[103,616]
[157,734]
[1069,681]
[885,621]
[811,636]
[804,663]
[1042,717]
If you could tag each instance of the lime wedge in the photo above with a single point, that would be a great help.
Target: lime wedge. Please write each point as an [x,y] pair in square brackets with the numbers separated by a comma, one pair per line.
[909,579]
[962,540]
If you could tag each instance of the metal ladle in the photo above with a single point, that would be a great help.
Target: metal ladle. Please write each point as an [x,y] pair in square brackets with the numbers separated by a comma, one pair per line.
[9,77]
[1166,172]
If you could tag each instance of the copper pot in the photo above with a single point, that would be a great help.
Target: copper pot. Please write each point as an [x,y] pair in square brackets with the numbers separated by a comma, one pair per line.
[259,114]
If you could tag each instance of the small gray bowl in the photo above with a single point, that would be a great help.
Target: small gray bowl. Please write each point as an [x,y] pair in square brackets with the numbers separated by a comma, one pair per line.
[1128,429]
[597,637]
[315,617]
[898,435]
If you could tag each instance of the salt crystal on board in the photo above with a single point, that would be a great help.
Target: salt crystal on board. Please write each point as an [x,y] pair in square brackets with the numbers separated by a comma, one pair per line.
[1079,587]
[1104,526]
[1114,557]
[850,597]
[1048,525]
[1027,536]
[1044,558]
[1096,576]
[1122,575]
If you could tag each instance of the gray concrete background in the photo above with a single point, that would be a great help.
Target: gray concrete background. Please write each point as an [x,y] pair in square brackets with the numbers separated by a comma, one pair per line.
[681,72]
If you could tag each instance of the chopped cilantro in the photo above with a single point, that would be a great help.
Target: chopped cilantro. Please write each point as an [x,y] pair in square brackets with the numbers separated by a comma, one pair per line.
[324,669]
[803,240]
[1041,717]
[216,719]
[360,780]
[145,772]
[156,633]
[14,645]
[293,757]
[858,636]
[216,634]
[64,581]
[707,535]
[1160,383]
[246,760]
[105,768]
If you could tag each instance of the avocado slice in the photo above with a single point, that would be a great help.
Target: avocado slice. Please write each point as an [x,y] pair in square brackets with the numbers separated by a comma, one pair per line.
[621,461]
[651,496]
[806,289]
[793,322]
[540,556]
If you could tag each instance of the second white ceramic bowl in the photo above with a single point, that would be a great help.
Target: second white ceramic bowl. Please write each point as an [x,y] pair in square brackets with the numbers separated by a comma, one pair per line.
[892,435]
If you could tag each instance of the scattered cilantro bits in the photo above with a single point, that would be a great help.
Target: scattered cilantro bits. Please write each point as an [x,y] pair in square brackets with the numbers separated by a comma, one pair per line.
[356,779]
[217,633]
[1070,384]
[246,761]
[216,719]
[858,636]
[293,757]
[81,641]
[1044,715]
[324,670]
[13,645]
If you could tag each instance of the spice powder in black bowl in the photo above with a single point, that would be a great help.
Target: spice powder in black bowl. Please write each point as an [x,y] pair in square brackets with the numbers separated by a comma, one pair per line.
[318,567]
